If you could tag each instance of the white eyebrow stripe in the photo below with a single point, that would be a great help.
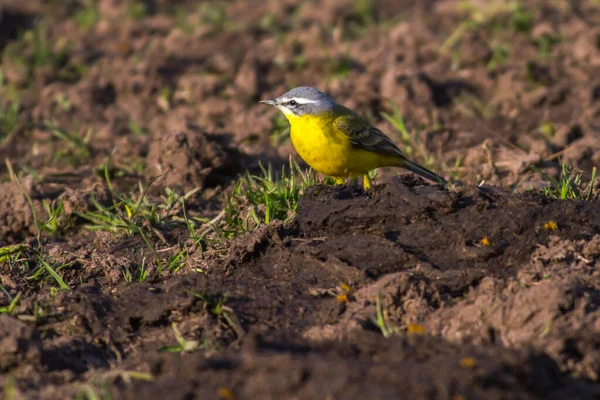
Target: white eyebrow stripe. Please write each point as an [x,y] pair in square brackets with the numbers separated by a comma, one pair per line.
[301,100]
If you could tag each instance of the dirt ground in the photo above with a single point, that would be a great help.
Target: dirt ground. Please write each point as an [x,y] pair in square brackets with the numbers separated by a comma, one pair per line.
[413,292]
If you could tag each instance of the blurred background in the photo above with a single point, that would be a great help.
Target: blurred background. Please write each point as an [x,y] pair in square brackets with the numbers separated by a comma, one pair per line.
[477,89]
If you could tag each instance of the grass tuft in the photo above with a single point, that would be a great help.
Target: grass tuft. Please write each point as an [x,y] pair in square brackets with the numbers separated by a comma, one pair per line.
[569,185]
[129,215]
[183,345]
[500,56]
[8,252]
[216,306]
[137,10]
[213,15]
[493,15]
[545,44]
[87,15]
[381,319]
[263,198]
[47,268]
[55,211]
[33,49]
[77,148]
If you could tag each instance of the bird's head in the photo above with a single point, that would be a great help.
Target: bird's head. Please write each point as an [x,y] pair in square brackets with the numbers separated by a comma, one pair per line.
[302,101]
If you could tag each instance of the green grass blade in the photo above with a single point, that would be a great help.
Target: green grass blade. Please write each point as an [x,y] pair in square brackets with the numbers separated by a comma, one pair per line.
[7,251]
[139,202]
[53,273]
[11,307]
[152,249]
[546,177]
[590,192]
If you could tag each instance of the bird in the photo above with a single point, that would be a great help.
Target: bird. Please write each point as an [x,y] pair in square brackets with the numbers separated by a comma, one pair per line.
[338,142]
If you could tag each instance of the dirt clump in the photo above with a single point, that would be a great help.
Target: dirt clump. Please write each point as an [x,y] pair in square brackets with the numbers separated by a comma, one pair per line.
[192,159]
[18,343]
[16,218]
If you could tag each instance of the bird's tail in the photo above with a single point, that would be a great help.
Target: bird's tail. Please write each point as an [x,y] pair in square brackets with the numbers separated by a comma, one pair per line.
[423,172]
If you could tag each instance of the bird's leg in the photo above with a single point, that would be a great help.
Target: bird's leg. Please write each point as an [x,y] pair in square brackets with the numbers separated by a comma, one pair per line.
[367,182]
[368,185]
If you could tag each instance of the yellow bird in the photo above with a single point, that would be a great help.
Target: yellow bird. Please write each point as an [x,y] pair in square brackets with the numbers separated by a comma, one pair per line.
[335,141]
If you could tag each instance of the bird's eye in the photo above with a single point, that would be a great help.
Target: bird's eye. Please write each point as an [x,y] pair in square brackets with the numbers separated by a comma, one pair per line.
[293,103]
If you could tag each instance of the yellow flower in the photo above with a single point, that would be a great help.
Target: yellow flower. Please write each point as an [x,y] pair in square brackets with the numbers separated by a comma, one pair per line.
[342,298]
[345,288]
[415,329]
[550,226]
[225,393]
[485,241]
[468,362]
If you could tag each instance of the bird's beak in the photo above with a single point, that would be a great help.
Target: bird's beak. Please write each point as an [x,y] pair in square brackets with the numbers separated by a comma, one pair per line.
[269,102]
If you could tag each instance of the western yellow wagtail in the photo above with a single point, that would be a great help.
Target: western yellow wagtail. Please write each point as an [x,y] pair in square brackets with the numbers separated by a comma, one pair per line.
[335,141]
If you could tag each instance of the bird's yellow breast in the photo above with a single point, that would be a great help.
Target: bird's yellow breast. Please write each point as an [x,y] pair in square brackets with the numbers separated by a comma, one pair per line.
[327,149]
[320,145]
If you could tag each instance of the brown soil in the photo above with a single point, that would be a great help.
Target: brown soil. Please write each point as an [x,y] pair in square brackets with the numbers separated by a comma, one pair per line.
[486,293]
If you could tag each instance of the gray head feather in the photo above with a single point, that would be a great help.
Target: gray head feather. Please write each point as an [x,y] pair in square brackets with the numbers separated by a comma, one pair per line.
[305,100]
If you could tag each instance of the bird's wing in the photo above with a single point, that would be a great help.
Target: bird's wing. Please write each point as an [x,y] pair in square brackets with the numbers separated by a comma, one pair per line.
[365,136]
